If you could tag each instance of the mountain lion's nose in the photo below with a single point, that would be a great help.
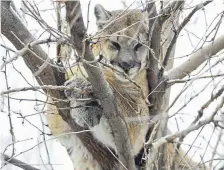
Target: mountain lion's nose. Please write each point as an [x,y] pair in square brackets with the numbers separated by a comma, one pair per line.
[126,66]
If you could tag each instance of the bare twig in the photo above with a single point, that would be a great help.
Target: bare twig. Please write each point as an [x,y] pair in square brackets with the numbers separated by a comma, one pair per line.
[206,104]
[9,113]
[59,25]
[216,147]
[7,48]
[26,48]
[194,78]
[35,88]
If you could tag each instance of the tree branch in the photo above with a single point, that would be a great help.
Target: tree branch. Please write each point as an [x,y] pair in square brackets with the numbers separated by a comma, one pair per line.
[196,59]
[35,88]
[100,85]
[25,49]
[163,27]
[18,163]
[159,31]
[206,104]
[154,43]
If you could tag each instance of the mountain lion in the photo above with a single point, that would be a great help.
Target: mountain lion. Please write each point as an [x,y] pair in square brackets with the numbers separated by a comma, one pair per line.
[121,40]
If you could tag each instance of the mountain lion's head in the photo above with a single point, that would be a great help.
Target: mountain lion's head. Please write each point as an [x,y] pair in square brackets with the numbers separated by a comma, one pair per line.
[122,39]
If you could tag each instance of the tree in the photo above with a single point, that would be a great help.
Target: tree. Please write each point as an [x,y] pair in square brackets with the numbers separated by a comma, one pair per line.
[164,32]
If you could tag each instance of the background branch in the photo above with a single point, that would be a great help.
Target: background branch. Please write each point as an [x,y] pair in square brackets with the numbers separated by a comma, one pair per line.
[18,163]
[195,60]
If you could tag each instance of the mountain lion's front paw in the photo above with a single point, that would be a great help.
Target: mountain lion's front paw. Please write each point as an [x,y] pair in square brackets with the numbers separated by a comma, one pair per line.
[85,108]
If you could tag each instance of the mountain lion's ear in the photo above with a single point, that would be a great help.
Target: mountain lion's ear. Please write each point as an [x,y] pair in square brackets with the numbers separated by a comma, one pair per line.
[101,14]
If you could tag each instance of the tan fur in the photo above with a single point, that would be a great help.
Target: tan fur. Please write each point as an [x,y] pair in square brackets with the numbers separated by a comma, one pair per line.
[55,122]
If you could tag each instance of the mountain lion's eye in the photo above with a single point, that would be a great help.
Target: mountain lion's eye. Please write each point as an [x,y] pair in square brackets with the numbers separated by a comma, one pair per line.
[137,46]
[116,45]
